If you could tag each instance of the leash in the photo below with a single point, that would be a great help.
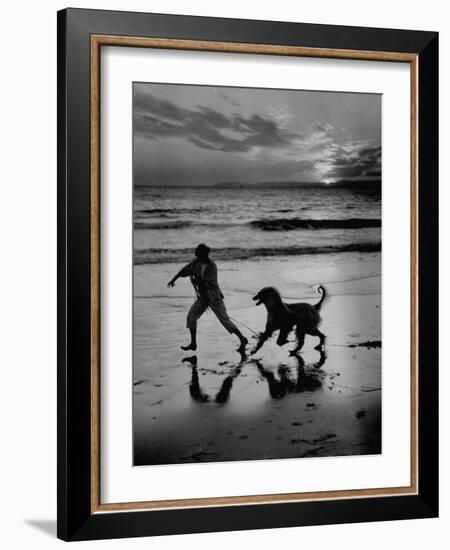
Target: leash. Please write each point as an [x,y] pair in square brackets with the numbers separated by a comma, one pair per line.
[244,325]
[208,311]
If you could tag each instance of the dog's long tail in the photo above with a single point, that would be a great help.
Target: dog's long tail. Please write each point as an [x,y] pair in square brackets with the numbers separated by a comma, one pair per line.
[322,291]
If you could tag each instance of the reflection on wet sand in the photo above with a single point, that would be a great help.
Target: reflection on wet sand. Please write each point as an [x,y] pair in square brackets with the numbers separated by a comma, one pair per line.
[241,408]
[223,394]
[307,378]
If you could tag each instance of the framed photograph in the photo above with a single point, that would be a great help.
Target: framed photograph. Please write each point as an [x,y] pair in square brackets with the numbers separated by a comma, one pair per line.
[247,253]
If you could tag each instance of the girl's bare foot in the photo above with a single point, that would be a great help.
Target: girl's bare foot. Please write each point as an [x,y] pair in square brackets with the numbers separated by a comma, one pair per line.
[189,347]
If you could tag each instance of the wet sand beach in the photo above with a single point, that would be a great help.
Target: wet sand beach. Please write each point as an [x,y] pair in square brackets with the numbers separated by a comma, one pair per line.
[219,405]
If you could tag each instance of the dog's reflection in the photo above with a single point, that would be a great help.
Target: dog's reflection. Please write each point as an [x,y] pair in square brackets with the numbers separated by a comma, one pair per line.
[223,394]
[307,379]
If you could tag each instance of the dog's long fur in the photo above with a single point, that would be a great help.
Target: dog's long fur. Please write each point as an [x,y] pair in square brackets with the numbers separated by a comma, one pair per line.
[284,317]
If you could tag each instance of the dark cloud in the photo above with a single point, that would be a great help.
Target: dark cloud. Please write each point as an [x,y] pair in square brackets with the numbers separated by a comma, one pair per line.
[206,128]
[356,161]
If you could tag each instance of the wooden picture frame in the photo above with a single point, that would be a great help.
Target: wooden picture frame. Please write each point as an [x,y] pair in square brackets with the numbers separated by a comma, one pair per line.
[81,35]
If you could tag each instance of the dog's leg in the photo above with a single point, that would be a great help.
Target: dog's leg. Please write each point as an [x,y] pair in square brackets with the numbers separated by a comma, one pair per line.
[263,337]
[316,332]
[300,340]
[322,359]
[282,337]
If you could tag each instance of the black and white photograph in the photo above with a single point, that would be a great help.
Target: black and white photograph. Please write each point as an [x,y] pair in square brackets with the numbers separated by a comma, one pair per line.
[256,274]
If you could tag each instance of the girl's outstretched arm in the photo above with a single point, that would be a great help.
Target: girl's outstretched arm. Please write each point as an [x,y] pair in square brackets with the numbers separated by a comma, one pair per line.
[184,272]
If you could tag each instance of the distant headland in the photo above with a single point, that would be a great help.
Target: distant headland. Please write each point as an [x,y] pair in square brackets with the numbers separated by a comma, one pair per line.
[293,184]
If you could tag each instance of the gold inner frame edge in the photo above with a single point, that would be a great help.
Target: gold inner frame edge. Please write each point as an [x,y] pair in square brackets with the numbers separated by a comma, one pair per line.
[97,41]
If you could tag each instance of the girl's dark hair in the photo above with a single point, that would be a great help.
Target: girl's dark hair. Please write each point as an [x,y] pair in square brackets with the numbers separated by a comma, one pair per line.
[202,250]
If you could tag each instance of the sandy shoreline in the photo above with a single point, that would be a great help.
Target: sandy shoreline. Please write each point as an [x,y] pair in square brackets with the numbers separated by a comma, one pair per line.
[220,406]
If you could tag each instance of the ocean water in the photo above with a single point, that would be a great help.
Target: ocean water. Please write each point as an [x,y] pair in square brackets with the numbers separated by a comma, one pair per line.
[242,223]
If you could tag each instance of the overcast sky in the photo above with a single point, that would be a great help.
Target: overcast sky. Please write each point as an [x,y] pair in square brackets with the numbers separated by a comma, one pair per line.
[203,135]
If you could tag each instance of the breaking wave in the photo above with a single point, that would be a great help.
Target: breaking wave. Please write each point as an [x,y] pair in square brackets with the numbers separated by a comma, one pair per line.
[277,224]
[169,255]
[288,224]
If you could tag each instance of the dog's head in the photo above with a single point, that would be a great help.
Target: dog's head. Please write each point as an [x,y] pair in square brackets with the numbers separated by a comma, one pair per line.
[269,296]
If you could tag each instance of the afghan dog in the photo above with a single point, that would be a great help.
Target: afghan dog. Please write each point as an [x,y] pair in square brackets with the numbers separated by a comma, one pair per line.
[284,317]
